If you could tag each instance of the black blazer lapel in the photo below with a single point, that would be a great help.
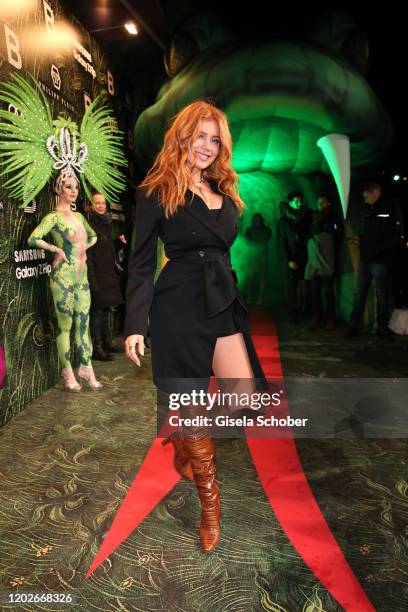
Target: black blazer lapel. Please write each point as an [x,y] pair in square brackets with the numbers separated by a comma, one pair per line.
[200,211]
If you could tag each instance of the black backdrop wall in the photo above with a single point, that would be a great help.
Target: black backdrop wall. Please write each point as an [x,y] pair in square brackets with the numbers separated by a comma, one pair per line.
[71,69]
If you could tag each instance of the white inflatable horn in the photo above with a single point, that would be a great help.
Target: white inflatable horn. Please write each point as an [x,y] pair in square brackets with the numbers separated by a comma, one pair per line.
[336,150]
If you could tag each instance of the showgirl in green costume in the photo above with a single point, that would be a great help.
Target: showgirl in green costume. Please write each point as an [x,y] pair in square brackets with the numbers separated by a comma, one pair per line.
[33,146]
[72,235]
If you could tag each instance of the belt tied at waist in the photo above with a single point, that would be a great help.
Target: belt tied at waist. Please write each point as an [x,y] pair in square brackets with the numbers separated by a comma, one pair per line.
[219,278]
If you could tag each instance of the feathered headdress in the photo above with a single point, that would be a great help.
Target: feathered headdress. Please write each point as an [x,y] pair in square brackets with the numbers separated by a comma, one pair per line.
[34,147]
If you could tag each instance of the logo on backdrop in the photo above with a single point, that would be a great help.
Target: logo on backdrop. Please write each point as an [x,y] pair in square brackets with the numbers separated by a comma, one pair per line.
[110,82]
[48,16]
[56,96]
[83,57]
[116,206]
[37,266]
[13,48]
[117,212]
[13,109]
[32,207]
[87,101]
[56,77]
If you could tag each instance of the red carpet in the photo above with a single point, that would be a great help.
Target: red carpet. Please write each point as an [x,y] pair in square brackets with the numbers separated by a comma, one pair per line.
[285,485]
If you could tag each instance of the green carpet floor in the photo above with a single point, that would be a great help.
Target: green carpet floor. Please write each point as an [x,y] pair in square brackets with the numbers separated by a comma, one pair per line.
[67,461]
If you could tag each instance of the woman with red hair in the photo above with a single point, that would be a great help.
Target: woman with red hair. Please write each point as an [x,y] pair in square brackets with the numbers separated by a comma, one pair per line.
[198,320]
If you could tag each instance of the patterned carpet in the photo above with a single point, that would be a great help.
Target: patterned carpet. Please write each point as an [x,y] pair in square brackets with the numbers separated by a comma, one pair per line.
[67,461]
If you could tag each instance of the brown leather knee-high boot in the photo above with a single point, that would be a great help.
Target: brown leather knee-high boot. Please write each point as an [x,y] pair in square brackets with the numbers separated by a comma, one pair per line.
[181,460]
[201,455]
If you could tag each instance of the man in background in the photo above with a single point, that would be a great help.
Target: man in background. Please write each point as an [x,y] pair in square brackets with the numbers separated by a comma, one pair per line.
[292,231]
[322,264]
[378,243]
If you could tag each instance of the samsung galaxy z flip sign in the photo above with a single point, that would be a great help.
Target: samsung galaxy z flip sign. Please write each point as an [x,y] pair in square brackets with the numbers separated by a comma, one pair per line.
[31,263]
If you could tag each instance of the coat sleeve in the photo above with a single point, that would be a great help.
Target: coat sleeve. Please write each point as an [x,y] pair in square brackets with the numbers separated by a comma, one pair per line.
[92,278]
[142,265]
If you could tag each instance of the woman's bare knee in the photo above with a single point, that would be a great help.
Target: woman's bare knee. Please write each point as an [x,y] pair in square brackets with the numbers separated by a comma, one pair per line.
[231,358]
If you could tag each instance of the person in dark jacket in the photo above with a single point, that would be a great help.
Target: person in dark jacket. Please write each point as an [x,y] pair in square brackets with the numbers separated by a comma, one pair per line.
[198,320]
[378,243]
[293,229]
[323,247]
[103,279]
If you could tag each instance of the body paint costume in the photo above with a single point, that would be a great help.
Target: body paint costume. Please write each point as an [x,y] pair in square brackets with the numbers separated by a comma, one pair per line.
[34,148]
[69,281]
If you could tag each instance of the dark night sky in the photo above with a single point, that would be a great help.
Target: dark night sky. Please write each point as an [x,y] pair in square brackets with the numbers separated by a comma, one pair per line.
[387,35]
[385,28]
[387,75]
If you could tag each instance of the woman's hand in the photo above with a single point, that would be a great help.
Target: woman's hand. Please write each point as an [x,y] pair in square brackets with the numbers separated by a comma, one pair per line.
[134,345]
[59,256]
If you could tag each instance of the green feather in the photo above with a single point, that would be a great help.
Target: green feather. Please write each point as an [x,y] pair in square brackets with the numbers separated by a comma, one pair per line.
[24,155]
[62,122]
[104,144]
[23,138]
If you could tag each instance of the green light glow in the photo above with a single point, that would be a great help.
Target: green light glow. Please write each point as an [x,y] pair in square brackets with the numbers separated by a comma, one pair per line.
[262,192]
[280,99]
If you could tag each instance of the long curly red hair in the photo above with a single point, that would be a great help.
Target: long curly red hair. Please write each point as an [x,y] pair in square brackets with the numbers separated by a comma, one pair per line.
[170,175]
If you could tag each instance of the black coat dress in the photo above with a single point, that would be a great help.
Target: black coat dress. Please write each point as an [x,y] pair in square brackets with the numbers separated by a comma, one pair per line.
[195,299]
[102,274]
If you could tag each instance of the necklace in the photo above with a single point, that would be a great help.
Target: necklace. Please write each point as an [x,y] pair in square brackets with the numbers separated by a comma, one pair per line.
[199,186]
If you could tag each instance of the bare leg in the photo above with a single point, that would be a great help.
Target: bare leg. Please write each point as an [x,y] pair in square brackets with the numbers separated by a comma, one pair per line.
[232,368]
[231,364]
[231,359]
